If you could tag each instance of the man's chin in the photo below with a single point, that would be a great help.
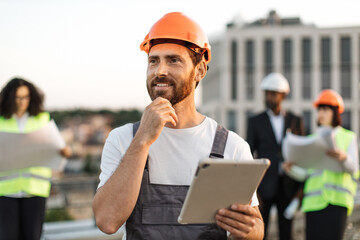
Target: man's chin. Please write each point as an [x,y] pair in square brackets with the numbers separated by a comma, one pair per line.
[271,106]
[155,96]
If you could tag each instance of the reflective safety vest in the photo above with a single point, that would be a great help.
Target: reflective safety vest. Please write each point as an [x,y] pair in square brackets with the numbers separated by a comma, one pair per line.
[324,187]
[35,180]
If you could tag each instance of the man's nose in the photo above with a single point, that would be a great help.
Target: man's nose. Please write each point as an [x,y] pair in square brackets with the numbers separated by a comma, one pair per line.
[162,69]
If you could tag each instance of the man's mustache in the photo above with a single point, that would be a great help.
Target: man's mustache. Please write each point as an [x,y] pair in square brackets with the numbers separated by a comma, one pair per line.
[157,80]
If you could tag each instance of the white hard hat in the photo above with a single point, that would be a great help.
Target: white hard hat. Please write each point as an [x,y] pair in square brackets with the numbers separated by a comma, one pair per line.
[275,82]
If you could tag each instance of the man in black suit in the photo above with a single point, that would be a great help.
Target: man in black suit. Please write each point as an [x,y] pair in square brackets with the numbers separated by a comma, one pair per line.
[264,135]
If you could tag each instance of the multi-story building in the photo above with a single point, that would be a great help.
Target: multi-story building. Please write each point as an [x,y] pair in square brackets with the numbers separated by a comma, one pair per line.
[311,58]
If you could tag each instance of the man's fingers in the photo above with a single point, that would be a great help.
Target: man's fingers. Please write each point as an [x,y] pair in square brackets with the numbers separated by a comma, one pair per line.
[171,120]
[245,209]
[239,220]
[165,110]
[238,226]
[242,213]
[174,116]
[155,116]
[234,230]
[161,107]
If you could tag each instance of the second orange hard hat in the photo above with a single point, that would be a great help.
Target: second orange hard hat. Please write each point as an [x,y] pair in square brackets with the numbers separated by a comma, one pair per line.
[331,98]
[177,26]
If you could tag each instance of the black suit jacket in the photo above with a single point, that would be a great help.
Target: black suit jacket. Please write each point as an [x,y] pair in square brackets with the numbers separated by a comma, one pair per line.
[263,144]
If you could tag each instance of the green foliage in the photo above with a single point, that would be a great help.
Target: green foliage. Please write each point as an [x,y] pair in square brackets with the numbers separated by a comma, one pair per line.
[57,215]
[126,116]
[119,118]
[91,165]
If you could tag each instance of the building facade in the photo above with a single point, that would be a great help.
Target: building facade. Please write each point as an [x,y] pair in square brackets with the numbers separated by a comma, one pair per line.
[311,58]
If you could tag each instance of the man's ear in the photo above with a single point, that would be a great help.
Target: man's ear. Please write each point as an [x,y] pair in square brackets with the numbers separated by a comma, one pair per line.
[201,71]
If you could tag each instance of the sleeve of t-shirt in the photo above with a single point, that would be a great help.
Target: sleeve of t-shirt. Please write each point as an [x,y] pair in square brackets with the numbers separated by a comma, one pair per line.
[114,149]
[241,151]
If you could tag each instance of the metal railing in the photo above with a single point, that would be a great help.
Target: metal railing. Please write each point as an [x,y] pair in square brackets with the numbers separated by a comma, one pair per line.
[73,194]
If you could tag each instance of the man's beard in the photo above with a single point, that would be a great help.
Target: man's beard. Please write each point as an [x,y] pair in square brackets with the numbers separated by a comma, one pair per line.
[271,105]
[179,91]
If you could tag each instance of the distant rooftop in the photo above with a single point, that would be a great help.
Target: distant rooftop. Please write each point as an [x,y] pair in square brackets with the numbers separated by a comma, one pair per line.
[273,19]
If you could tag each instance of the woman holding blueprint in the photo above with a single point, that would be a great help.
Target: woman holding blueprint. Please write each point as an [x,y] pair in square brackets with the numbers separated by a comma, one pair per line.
[23,192]
[329,194]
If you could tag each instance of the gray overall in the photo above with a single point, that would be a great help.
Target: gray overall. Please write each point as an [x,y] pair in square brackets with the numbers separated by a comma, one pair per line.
[158,207]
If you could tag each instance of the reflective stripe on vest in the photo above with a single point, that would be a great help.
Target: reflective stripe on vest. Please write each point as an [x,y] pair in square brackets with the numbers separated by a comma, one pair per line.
[325,187]
[34,181]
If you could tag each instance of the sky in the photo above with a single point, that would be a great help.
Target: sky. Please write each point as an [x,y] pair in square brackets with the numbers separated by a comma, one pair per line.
[85,53]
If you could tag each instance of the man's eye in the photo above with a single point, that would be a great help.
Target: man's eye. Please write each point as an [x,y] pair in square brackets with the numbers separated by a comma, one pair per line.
[174,60]
[152,61]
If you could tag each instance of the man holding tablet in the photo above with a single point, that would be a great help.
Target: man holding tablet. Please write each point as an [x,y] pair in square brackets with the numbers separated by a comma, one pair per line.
[147,168]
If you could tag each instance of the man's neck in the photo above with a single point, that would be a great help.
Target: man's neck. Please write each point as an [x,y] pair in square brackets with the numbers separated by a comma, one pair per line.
[276,111]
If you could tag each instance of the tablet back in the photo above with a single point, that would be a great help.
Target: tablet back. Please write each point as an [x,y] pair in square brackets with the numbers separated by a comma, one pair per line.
[219,184]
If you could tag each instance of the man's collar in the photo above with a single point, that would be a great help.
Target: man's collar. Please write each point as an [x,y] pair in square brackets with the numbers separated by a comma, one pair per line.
[271,113]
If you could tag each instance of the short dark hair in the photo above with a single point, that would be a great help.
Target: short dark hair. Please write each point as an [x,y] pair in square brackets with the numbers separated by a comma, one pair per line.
[196,59]
[336,120]
[8,94]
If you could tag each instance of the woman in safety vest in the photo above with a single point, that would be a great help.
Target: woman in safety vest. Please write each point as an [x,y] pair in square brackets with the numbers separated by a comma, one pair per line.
[328,195]
[23,192]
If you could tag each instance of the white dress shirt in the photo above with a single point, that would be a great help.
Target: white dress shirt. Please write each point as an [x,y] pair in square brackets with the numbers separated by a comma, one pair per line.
[277,123]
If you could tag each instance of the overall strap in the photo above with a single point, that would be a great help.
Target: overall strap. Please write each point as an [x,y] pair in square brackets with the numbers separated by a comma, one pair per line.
[219,143]
[135,127]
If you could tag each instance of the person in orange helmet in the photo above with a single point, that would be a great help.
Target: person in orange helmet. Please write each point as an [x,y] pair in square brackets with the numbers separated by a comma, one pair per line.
[328,194]
[147,167]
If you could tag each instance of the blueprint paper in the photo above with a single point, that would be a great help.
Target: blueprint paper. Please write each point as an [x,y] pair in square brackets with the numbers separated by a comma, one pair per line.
[310,151]
[38,148]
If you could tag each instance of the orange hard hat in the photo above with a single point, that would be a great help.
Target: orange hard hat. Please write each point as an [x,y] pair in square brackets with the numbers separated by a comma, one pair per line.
[176,26]
[332,98]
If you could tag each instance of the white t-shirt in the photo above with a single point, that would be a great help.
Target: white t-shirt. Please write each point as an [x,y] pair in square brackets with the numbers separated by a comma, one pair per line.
[174,156]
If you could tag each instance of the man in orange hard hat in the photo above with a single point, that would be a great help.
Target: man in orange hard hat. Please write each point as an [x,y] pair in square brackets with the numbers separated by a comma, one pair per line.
[147,167]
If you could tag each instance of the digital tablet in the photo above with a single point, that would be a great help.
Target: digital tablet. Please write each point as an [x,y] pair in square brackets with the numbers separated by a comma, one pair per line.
[219,183]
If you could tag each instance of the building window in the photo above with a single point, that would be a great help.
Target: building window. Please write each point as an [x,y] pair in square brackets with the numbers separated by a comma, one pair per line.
[268,57]
[307,121]
[345,65]
[287,62]
[249,70]
[218,115]
[306,68]
[325,63]
[346,119]
[231,120]
[233,89]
